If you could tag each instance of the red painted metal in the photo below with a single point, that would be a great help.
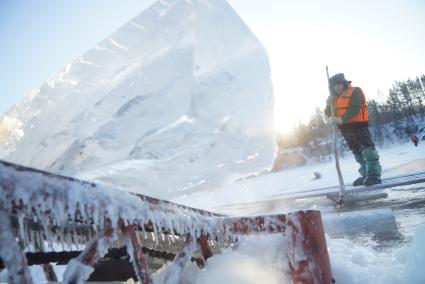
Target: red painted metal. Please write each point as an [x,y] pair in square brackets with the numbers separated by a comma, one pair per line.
[308,254]
[204,248]
[140,264]
[257,224]
[49,272]
[91,254]
[307,249]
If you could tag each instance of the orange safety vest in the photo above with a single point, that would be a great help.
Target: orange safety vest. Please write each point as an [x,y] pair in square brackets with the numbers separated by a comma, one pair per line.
[342,102]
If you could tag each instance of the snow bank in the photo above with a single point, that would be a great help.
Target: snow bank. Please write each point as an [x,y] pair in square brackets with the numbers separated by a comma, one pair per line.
[177,100]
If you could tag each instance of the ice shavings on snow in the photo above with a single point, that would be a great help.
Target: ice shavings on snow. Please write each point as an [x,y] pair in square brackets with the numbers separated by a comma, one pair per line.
[355,264]
[257,259]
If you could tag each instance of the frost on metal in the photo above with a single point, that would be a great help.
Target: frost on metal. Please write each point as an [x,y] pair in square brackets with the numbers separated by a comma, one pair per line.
[57,200]
[11,254]
[98,216]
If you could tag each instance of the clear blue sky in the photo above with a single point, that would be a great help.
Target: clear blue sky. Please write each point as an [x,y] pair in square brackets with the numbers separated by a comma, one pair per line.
[373,41]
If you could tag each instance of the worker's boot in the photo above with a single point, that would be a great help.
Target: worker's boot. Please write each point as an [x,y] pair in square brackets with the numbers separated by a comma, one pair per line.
[362,170]
[359,181]
[373,167]
[372,180]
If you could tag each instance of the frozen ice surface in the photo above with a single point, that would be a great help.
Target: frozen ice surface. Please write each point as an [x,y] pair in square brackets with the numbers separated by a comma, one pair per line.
[174,101]
[415,272]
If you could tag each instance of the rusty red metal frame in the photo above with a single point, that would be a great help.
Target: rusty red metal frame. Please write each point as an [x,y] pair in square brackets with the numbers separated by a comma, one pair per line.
[306,244]
[140,264]
[307,249]
[49,272]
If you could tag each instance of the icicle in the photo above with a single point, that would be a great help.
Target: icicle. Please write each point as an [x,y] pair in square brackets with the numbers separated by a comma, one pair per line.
[21,228]
[154,238]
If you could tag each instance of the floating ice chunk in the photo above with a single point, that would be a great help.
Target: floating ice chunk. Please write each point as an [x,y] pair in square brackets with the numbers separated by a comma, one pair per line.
[378,221]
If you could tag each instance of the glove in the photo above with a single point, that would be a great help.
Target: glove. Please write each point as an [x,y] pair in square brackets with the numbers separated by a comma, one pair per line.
[330,100]
[335,120]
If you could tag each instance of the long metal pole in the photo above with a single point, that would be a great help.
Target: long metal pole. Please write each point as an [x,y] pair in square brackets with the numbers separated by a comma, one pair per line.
[335,150]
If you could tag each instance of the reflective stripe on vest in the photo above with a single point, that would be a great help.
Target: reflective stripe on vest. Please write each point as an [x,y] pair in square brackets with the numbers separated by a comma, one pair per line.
[342,103]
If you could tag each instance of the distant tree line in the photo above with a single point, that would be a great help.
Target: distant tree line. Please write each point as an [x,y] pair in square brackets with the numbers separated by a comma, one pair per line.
[399,114]
[403,110]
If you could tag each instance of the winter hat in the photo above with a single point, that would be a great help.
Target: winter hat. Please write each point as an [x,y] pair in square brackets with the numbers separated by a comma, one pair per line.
[338,79]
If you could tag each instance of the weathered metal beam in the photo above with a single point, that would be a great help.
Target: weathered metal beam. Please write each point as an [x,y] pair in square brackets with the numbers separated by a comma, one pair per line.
[256,224]
[307,250]
[205,249]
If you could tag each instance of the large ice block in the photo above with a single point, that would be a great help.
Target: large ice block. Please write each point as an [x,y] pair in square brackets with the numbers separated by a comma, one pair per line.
[177,100]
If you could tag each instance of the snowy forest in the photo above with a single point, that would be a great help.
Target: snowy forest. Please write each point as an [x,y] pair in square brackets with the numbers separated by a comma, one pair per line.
[393,119]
